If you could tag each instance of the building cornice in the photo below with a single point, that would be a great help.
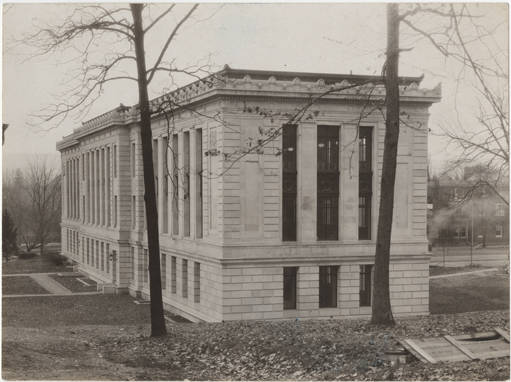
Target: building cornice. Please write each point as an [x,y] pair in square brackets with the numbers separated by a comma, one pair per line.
[261,83]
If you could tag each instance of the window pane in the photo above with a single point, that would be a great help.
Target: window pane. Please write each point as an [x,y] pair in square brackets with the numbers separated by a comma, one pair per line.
[290,287]
[328,286]
[365,285]
[289,182]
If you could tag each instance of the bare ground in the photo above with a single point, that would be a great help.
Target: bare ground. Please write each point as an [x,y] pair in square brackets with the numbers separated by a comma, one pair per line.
[317,350]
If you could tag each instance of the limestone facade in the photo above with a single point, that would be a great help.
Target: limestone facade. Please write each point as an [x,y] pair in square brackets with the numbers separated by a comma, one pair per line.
[220,194]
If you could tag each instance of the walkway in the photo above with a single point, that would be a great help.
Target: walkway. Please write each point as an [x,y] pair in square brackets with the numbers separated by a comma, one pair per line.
[50,285]
[464,273]
[53,287]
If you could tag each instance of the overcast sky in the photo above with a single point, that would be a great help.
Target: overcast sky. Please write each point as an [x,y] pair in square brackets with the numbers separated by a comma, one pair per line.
[333,38]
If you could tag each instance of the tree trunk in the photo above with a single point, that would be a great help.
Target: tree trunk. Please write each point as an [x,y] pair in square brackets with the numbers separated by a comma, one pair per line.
[157,318]
[381,309]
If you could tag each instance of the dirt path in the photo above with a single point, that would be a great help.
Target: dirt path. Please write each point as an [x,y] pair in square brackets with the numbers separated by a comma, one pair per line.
[60,354]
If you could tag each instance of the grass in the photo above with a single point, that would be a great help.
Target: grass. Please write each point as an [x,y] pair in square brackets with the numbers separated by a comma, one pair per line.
[73,310]
[469,293]
[37,264]
[72,283]
[21,285]
[435,270]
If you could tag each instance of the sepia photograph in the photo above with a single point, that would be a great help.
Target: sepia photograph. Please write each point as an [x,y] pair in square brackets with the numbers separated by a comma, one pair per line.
[267,191]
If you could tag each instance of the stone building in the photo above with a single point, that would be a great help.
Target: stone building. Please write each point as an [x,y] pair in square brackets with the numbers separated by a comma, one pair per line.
[259,218]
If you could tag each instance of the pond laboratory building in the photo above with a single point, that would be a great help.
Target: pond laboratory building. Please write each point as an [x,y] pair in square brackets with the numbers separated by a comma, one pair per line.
[268,190]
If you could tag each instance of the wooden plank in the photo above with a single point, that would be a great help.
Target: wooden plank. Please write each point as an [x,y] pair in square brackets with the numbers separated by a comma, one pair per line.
[503,334]
[495,354]
[460,347]
[412,351]
[416,350]
[475,336]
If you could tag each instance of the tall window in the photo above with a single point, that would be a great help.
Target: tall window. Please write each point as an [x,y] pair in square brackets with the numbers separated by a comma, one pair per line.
[184,278]
[175,185]
[87,251]
[163,271]
[133,211]
[365,182]
[165,180]
[499,230]
[102,256]
[365,284]
[132,264]
[115,211]
[289,183]
[186,183]
[328,286]
[115,161]
[92,252]
[173,274]
[145,268]
[290,287]
[500,209]
[155,167]
[97,254]
[107,259]
[328,183]
[196,282]
[198,182]
[133,159]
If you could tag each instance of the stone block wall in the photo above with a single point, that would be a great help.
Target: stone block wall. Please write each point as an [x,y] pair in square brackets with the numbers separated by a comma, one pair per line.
[256,292]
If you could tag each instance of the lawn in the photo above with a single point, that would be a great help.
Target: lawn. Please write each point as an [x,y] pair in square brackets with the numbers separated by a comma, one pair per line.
[21,285]
[437,270]
[36,264]
[73,310]
[469,293]
[72,283]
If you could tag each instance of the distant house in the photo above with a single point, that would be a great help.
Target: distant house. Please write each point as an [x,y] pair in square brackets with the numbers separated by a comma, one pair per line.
[253,229]
[462,205]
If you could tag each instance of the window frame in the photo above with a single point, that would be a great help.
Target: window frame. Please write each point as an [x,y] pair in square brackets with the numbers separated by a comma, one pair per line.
[328,295]
[289,275]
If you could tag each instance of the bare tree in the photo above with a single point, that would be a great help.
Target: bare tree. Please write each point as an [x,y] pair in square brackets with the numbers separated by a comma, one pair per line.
[44,192]
[33,199]
[122,28]
[462,37]
[381,308]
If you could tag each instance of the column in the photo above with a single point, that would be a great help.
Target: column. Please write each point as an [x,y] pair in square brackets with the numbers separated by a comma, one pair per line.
[108,183]
[87,187]
[91,187]
[102,186]
[307,182]
[98,194]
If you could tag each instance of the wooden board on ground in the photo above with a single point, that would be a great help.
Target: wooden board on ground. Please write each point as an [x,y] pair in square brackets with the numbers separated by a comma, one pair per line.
[459,348]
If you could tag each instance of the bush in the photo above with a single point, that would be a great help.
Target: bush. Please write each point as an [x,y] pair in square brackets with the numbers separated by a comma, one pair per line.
[26,255]
[55,258]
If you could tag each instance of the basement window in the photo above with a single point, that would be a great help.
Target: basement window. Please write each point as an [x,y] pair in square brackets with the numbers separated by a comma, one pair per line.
[328,286]
[365,284]
[290,287]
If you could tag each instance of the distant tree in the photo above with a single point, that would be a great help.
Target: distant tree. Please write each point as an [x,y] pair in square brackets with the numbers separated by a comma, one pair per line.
[9,236]
[44,192]
[456,31]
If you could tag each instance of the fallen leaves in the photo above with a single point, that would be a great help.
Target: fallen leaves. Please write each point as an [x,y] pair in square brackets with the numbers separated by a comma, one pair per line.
[309,350]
